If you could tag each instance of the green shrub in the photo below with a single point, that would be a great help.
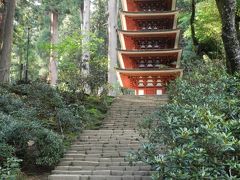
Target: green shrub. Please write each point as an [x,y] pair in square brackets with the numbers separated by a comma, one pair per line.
[6,151]
[36,121]
[70,119]
[199,128]
[32,143]
[41,103]
[10,169]
[9,165]
[49,148]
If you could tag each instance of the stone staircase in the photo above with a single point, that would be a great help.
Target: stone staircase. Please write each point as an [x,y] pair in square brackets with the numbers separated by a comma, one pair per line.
[100,154]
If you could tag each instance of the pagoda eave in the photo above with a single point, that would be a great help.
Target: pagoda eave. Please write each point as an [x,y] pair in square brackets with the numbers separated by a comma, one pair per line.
[159,51]
[146,14]
[145,33]
[168,71]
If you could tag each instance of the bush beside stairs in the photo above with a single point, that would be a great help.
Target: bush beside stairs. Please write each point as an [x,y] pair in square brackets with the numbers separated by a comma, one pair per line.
[101,154]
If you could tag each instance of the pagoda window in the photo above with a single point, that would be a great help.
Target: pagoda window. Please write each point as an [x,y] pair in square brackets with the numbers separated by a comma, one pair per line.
[150,63]
[148,6]
[159,83]
[150,82]
[154,24]
[154,62]
[140,83]
[140,63]
[163,43]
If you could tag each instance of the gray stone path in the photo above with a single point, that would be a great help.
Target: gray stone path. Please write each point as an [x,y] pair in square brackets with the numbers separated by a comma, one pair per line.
[100,154]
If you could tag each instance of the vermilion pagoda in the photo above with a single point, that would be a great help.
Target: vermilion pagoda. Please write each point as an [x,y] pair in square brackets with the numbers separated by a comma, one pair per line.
[150,56]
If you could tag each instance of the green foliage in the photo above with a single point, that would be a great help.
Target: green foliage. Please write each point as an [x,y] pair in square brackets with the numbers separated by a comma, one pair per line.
[9,165]
[42,103]
[35,115]
[10,169]
[29,140]
[207,26]
[96,107]
[199,128]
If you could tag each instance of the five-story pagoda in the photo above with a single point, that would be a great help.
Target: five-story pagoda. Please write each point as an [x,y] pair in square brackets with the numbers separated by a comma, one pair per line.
[150,56]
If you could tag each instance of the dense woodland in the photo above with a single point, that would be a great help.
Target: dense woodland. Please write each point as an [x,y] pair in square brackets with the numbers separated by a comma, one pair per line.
[56,77]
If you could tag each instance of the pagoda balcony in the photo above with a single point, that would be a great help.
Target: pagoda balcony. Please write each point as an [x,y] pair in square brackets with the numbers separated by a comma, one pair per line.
[149,59]
[148,5]
[149,40]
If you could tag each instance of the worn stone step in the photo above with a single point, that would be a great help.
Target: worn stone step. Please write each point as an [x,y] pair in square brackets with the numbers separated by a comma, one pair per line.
[109,148]
[96,177]
[104,172]
[120,168]
[109,137]
[97,159]
[105,154]
[93,153]
[101,154]
[94,163]
[104,145]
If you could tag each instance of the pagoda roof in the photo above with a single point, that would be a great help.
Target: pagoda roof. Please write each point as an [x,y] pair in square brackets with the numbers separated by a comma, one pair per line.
[167,71]
[160,51]
[147,14]
[149,33]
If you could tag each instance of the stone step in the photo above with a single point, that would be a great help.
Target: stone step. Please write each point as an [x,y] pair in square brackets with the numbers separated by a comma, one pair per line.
[107,142]
[104,145]
[97,159]
[94,163]
[121,168]
[110,137]
[104,172]
[100,149]
[105,154]
[111,144]
[101,154]
[96,177]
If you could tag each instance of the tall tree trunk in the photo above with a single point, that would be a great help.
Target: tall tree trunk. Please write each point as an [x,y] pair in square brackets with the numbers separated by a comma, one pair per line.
[2,19]
[237,26]
[53,70]
[192,23]
[227,9]
[112,44]
[7,36]
[86,38]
